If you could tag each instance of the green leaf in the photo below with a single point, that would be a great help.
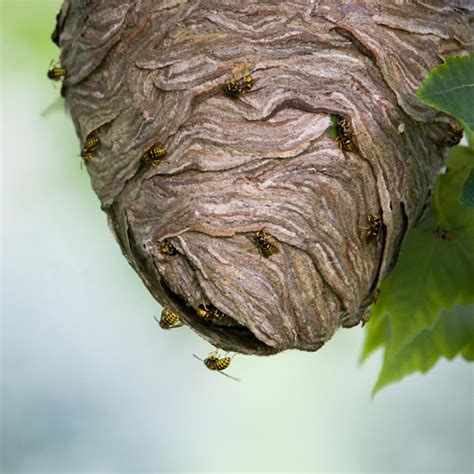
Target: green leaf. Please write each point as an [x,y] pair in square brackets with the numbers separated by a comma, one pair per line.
[451,335]
[467,195]
[450,88]
[434,272]
[468,352]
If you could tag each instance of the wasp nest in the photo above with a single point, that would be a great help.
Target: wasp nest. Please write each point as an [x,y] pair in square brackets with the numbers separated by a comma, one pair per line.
[259,162]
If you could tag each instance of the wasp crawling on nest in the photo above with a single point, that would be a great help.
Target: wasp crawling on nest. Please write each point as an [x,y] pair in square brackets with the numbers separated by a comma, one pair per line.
[235,86]
[169,320]
[154,155]
[91,144]
[214,362]
[374,229]
[209,312]
[262,242]
[57,72]
[344,134]
[167,247]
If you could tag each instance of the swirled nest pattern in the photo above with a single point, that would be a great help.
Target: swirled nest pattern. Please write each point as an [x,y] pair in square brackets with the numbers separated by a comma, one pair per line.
[146,72]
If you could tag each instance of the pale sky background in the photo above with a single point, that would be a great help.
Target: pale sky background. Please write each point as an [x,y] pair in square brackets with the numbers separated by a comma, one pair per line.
[90,383]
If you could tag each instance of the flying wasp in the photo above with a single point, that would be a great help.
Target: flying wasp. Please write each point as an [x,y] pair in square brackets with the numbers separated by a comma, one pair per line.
[214,362]
[234,86]
[91,144]
[262,242]
[209,311]
[444,234]
[374,229]
[344,134]
[154,155]
[56,72]
[168,248]
[168,320]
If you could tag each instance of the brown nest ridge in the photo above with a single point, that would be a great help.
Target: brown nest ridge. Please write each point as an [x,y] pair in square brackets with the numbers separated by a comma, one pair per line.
[297,119]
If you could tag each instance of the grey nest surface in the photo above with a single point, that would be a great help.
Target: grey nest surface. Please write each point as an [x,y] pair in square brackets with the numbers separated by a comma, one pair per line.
[145,73]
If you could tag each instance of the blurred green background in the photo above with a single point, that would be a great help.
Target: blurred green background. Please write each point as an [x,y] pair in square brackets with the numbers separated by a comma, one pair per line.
[91,384]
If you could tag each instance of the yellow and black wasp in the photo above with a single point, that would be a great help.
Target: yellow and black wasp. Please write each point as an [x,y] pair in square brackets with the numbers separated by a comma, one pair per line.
[262,242]
[167,247]
[235,86]
[56,73]
[154,155]
[374,229]
[344,134]
[214,362]
[91,144]
[209,311]
[169,320]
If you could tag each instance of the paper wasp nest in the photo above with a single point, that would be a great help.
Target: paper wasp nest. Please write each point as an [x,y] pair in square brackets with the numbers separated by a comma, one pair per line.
[142,73]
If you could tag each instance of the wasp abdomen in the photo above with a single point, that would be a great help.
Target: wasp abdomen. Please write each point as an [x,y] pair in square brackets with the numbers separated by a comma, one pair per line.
[213,362]
[154,155]
[209,311]
[222,364]
[169,319]
[56,73]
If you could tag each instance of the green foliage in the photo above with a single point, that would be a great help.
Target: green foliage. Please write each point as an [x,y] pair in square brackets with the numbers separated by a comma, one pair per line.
[451,334]
[26,29]
[450,88]
[467,195]
[416,319]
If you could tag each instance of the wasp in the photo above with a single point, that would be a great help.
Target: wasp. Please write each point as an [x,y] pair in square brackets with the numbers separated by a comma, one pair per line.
[444,234]
[262,242]
[56,73]
[169,320]
[454,137]
[91,144]
[168,248]
[234,87]
[214,362]
[209,311]
[344,134]
[374,229]
[154,155]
